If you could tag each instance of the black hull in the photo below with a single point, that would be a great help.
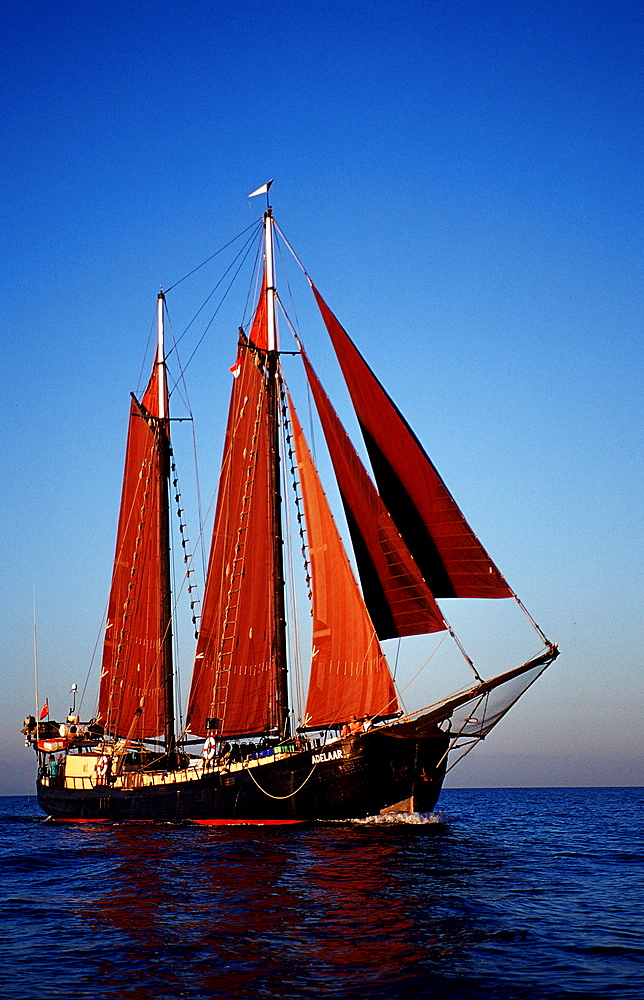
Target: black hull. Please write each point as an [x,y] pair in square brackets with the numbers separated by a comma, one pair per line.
[358,777]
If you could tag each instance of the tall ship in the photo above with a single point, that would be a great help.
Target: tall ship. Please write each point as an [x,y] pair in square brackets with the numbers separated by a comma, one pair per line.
[269,734]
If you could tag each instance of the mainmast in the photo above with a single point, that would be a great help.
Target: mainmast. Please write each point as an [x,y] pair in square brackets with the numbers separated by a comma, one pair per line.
[272,357]
[164,537]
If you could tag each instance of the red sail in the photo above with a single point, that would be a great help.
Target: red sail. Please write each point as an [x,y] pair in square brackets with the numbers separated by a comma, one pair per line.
[397,598]
[259,329]
[234,679]
[448,553]
[349,671]
[132,670]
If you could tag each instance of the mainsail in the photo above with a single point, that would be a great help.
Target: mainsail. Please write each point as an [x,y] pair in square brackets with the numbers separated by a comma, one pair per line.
[131,696]
[349,671]
[234,679]
[448,553]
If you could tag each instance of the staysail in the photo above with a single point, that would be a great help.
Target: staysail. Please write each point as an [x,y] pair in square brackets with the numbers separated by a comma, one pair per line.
[397,597]
[448,553]
[131,695]
[234,678]
[349,671]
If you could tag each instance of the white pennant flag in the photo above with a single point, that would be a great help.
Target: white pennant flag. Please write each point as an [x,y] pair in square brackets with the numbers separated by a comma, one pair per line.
[263,190]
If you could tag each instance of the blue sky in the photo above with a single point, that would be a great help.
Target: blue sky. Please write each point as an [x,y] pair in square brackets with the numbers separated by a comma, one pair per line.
[463,181]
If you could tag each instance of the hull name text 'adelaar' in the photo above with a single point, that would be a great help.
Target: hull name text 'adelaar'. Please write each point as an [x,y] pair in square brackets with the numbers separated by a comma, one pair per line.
[319,758]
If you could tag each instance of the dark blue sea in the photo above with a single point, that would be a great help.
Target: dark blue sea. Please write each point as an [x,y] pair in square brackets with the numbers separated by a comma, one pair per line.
[520,893]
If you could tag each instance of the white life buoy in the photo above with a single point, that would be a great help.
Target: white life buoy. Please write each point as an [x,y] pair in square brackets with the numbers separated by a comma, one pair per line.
[102,765]
[209,748]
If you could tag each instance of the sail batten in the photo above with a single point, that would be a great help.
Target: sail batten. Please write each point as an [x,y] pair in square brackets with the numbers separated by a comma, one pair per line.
[449,555]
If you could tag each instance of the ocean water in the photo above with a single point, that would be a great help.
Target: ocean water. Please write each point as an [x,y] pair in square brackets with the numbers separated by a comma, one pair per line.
[520,893]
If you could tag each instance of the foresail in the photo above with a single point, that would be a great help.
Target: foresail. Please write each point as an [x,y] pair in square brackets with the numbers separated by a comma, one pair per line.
[448,553]
[349,671]
[397,598]
[131,689]
[234,674]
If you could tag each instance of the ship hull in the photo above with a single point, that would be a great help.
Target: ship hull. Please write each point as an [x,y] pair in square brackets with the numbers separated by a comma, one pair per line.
[361,776]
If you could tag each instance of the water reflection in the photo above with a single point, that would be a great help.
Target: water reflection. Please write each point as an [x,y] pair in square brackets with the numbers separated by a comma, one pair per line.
[329,909]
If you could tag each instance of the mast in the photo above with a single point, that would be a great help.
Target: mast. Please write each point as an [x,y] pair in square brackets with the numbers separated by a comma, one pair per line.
[164,538]
[272,357]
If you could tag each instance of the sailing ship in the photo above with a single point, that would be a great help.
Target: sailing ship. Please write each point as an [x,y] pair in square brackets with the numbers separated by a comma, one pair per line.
[238,754]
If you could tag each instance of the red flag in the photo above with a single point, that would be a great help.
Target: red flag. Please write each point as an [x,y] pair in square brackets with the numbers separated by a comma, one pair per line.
[44,712]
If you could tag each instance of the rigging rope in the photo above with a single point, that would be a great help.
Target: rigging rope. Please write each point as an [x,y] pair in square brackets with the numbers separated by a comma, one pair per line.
[401,691]
[297,674]
[221,301]
[254,225]
[298,499]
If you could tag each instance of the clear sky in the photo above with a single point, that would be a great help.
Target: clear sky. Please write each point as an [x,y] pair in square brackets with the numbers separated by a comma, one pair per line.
[462,180]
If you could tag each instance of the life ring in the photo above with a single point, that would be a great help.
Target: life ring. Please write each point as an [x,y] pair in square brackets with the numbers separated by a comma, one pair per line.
[102,765]
[209,748]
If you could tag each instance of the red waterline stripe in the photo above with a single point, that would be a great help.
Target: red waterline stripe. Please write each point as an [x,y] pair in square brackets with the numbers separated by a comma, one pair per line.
[201,822]
[59,819]
[249,822]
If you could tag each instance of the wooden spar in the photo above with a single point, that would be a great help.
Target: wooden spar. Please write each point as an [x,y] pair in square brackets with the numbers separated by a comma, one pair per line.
[163,439]
[272,356]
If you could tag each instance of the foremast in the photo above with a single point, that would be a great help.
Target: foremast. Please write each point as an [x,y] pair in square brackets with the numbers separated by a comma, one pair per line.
[273,413]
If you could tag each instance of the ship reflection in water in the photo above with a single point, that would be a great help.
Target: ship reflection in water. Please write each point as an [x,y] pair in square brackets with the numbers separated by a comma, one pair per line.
[320,911]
